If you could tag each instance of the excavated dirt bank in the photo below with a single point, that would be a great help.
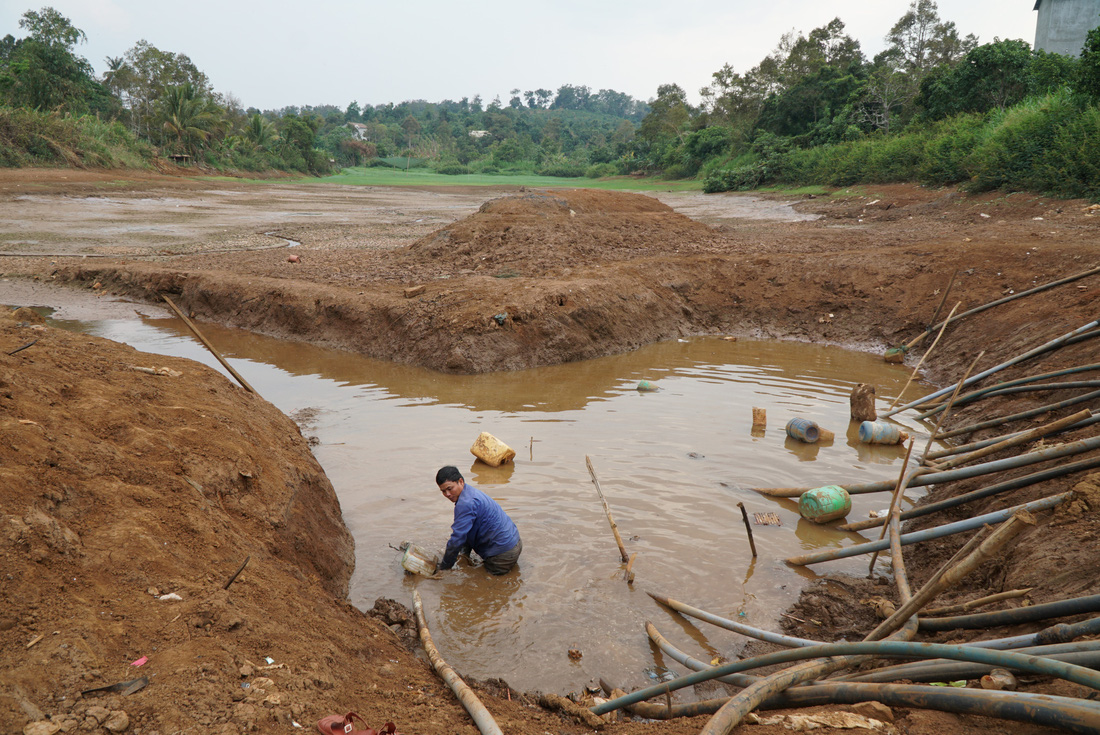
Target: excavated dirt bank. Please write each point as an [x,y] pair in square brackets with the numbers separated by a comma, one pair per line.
[120,486]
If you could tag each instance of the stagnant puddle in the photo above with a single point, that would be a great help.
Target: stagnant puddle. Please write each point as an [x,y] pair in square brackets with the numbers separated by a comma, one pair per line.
[673,464]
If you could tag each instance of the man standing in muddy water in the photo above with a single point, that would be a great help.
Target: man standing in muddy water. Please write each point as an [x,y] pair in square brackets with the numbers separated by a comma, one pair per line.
[480,525]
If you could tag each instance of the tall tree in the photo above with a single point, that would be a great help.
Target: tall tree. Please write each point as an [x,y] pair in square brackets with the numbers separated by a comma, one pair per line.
[920,40]
[149,72]
[42,71]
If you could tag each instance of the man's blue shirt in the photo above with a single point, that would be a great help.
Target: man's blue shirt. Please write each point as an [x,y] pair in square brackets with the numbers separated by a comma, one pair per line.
[481,524]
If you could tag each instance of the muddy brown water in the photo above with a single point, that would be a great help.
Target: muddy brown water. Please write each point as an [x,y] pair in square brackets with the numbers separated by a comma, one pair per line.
[673,465]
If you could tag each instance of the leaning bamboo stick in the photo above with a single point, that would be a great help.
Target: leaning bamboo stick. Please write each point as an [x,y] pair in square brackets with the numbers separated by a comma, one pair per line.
[950,577]
[983,307]
[926,353]
[980,602]
[607,510]
[1023,438]
[903,482]
[484,721]
[950,403]
[206,343]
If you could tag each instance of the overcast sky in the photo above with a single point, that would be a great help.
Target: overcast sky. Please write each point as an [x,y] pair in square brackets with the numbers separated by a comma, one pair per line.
[282,52]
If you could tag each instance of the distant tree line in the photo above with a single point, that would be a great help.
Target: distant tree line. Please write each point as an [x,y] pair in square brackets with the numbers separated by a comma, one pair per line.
[152,103]
[934,106]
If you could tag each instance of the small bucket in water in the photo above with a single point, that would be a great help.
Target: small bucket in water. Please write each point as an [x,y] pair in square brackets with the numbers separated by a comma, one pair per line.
[417,561]
[491,451]
[824,504]
[803,430]
[896,354]
[876,432]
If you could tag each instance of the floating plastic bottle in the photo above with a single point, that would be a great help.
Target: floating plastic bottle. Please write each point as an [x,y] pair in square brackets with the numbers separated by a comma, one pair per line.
[878,432]
[803,430]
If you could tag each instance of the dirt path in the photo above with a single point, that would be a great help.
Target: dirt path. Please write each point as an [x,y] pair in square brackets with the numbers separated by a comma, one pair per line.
[120,486]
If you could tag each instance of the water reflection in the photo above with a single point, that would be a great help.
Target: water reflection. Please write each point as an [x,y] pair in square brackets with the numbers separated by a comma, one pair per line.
[384,429]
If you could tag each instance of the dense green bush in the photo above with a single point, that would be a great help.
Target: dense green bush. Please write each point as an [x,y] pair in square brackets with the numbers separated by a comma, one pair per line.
[601,171]
[1049,144]
[453,169]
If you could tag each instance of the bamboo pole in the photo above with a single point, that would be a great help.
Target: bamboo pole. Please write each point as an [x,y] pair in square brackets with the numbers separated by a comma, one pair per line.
[1023,438]
[1005,300]
[903,481]
[980,602]
[952,574]
[607,510]
[950,403]
[206,343]
[484,721]
[927,352]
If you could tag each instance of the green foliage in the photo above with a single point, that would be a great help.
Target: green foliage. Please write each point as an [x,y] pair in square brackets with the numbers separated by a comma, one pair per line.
[601,171]
[42,72]
[187,119]
[561,167]
[1050,72]
[31,138]
[993,76]
[453,169]
[1049,144]
[1088,71]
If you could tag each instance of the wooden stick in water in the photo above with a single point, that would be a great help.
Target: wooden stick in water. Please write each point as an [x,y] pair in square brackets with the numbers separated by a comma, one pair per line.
[206,343]
[607,510]
[748,527]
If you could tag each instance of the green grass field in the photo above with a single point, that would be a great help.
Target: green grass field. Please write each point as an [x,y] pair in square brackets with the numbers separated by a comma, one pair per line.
[426,177]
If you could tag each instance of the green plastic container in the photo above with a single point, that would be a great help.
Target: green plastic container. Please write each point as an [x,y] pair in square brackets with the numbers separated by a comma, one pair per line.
[824,504]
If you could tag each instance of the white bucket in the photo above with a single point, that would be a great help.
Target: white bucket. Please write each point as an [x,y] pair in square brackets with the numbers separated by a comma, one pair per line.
[418,561]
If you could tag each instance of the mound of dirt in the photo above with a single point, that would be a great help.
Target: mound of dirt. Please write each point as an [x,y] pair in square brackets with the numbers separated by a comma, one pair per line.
[538,234]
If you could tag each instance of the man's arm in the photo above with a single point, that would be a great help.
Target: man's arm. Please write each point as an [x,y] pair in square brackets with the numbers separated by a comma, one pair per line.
[460,529]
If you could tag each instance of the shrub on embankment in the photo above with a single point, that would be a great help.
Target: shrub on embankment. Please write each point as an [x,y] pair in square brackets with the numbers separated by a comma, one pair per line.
[32,138]
[1048,144]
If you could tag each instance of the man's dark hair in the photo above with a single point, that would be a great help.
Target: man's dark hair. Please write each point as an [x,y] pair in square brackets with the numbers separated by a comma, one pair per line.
[449,473]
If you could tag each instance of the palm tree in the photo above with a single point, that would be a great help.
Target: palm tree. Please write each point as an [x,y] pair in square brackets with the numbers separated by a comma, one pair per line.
[260,132]
[188,119]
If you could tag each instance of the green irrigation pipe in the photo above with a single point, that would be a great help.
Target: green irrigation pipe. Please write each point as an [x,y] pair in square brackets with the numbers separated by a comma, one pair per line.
[1058,341]
[963,448]
[985,492]
[968,397]
[1016,615]
[883,649]
[961,473]
[1035,708]
[1082,653]
[749,698]
[1021,415]
[747,630]
[928,534]
[1038,388]
[1062,713]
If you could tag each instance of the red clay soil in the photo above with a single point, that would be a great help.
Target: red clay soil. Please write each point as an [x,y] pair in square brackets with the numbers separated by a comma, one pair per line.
[120,485]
